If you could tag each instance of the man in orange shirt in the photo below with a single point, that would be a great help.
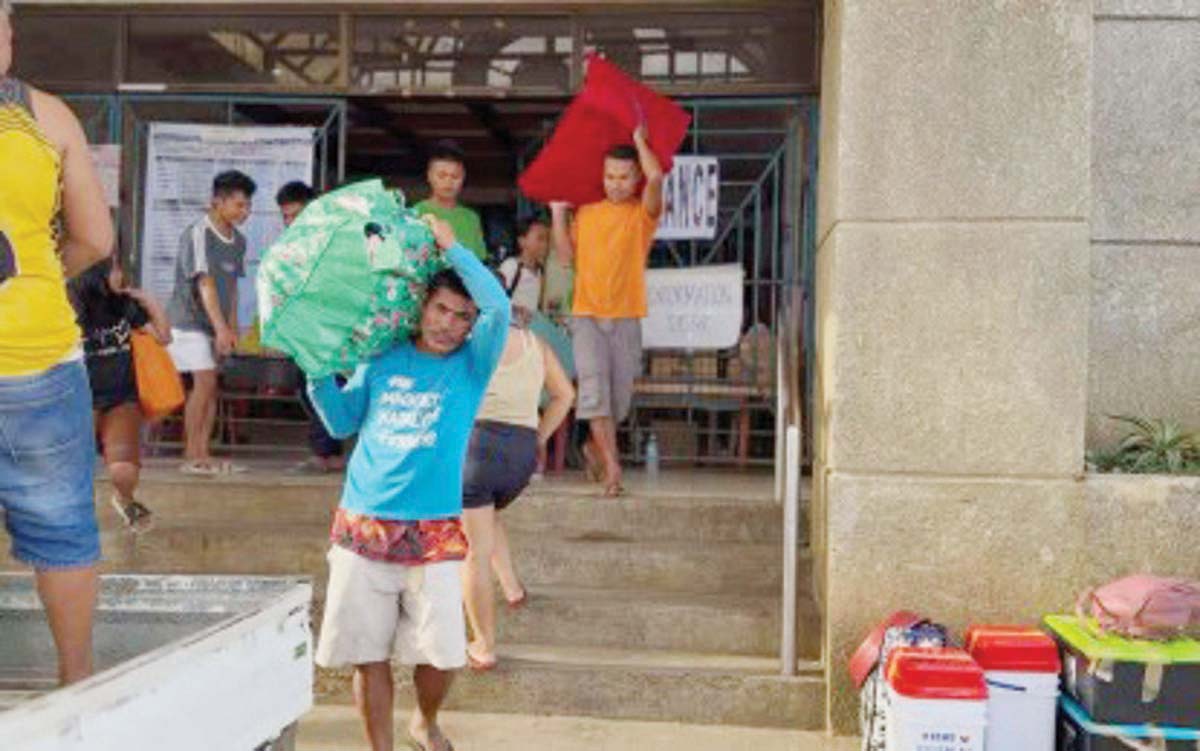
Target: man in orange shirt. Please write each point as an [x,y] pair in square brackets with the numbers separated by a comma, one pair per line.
[610,244]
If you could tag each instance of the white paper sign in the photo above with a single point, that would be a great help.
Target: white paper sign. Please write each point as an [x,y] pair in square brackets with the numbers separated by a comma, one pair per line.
[691,199]
[182,160]
[107,158]
[696,308]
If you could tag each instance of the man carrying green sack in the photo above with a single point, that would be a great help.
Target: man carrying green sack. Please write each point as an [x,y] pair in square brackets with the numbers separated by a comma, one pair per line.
[397,535]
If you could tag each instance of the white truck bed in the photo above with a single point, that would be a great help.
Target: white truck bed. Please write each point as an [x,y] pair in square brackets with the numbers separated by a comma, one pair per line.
[203,663]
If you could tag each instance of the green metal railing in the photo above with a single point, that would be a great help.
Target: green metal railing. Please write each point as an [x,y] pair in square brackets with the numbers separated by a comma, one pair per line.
[123,119]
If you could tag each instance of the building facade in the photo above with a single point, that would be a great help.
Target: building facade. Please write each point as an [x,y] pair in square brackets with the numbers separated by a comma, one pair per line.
[1007,241]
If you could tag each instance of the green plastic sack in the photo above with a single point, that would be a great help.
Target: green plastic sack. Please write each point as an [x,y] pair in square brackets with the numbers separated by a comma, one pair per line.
[346,280]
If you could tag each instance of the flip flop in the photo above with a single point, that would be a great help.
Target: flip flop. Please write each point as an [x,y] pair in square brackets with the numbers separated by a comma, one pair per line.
[307,467]
[435,736]
[519,602]
[202,469]
[480,666]
[137,517]
[614,490]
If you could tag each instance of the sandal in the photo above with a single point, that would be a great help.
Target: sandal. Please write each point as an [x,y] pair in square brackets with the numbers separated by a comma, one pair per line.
[137,517]
[592,467]
[614,490]
[229,468]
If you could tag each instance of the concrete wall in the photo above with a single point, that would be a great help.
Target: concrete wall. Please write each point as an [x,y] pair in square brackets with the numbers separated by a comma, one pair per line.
[1140,523]
[952,313]
[1009,243]
[1145,327]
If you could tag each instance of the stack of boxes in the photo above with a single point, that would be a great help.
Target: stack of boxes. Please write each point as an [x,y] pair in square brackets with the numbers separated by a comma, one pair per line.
[1122,694]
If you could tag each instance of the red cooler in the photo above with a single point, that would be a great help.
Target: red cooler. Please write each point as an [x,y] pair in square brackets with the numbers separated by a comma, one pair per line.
[1021,666]
[938,701]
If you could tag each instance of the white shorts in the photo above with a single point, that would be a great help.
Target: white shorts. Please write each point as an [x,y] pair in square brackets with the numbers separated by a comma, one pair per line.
[376,610]
[191,351]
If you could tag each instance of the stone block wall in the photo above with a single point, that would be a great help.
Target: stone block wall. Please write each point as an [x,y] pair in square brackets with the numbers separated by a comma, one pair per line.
[952,313]
[1008,249]
[1145,310]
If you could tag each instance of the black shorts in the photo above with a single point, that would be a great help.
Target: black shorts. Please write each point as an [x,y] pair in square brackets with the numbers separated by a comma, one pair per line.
[104,399]
[500,460]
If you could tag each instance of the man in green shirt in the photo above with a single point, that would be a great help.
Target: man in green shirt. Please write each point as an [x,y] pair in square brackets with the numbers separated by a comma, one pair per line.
[446,174]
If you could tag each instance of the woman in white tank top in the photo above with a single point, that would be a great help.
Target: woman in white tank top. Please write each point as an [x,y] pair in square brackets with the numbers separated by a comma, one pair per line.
[501,458]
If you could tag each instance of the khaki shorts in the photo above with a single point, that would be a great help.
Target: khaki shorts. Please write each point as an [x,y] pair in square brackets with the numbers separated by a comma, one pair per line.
[376,610]
[608,358]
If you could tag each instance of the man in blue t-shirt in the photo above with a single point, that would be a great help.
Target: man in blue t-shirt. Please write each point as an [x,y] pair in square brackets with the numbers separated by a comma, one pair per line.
[397,536]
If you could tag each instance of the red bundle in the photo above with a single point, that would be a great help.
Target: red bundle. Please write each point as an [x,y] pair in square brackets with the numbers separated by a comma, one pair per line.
[604,114]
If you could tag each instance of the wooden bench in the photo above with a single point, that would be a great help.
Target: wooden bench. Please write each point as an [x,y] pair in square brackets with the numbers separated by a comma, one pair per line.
[712,394]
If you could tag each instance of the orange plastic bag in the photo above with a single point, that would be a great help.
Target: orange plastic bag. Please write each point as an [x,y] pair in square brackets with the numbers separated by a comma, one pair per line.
[159,387]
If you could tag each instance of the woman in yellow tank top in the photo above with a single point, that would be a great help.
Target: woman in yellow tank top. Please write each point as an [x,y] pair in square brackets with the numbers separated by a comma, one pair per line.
[47,451]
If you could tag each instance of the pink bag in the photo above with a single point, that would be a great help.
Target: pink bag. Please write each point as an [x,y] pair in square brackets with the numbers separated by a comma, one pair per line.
[1143,606]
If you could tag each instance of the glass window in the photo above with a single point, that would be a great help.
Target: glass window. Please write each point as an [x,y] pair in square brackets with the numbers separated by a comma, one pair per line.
[423,53]
[61,51]
[285,51]
[730,48]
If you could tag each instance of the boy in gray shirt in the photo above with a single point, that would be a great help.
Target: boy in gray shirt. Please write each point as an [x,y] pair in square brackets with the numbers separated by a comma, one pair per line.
[203,309]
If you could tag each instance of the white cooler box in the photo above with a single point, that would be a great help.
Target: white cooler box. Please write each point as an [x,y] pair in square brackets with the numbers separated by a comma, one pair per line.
[1021,667]
[937,701]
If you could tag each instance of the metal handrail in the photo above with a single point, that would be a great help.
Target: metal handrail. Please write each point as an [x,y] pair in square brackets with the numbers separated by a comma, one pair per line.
[787,477]
[790,415]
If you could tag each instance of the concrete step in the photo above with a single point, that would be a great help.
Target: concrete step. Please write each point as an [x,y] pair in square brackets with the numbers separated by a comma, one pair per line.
[660,566]
[285,549]
[650,595]
[330,727]
[625,684]
[662,605]
[636,619]
[648,518]
[648,512]
[609,618]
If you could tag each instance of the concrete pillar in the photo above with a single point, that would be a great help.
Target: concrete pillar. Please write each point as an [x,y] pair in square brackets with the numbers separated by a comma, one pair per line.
[952,313]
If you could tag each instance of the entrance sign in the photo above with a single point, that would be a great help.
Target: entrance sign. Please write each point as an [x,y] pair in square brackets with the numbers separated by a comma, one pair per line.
[691,199]
[182,160]
[696,308]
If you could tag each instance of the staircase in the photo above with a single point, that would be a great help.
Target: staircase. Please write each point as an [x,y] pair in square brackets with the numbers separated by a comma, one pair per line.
[663,605]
